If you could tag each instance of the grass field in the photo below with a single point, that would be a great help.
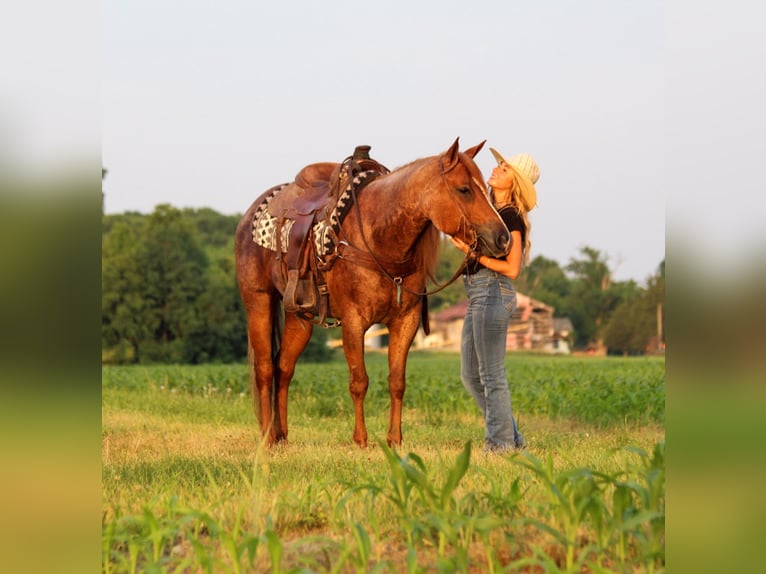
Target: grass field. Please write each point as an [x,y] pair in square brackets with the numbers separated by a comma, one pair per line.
[187,486]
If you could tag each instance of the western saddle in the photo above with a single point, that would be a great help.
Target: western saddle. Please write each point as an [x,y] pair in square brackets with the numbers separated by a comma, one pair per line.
[320,197]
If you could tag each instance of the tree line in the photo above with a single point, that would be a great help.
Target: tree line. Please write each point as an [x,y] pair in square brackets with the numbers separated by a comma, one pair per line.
[169,292]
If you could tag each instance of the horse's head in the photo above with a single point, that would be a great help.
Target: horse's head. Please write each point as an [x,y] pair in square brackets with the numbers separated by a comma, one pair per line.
[463,208]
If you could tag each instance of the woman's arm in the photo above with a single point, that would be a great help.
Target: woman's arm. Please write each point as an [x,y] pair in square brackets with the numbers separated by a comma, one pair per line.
[509,266]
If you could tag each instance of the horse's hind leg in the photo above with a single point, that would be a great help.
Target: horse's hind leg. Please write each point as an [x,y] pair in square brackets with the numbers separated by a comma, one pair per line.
[295,337]
[259,329]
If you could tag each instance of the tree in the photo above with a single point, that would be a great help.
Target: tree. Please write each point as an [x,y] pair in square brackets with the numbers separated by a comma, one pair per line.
[544,280]
[219,330]
[121,303]
[636,324]
[592,297]
[593,270]
[172,266]
[169,290]
[656,295]
[213,230]
[630,326]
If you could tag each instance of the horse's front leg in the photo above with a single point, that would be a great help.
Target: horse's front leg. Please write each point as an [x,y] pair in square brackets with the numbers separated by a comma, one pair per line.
[401,334]
[358,381]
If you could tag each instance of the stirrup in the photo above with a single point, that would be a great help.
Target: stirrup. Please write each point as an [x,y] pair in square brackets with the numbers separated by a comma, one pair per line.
[288,299]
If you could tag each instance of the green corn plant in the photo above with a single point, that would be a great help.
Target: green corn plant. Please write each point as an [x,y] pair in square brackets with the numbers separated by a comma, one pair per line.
[156,534]
[237,542]
[451,523]
[436,504]
[358,554]
[142,535]
[107,541]
[363,545]
[204,530]
[119,536]
[573,496]
[274,546]
[502,502]
[400,494]
[623,509]
[644,521]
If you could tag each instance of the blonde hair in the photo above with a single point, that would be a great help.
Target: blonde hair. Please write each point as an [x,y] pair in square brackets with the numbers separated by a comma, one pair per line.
[515,201]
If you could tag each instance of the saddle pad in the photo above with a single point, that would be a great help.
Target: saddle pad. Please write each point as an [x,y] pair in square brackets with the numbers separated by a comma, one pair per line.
[265,225]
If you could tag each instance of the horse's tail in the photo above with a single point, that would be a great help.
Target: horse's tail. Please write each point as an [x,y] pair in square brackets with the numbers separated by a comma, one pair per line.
[277,324]
[251,372]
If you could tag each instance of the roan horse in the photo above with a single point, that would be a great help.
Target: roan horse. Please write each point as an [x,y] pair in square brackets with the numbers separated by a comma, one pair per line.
[374,268]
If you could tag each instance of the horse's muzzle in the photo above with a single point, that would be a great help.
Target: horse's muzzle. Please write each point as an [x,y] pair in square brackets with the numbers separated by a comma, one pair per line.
[503,242]
[495,244]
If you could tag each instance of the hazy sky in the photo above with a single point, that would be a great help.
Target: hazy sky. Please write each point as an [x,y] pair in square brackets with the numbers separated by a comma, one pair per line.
[208,104]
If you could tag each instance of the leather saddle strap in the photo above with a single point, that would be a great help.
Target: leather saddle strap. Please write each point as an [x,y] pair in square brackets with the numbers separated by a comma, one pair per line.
[297,241]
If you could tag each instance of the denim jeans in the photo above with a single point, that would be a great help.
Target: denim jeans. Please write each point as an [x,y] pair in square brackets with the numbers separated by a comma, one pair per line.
[491,301]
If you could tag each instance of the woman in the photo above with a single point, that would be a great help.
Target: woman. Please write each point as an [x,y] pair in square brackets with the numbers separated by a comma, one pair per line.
[492,300]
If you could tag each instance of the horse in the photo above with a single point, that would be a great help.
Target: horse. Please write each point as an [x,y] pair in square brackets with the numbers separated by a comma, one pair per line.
[384,254]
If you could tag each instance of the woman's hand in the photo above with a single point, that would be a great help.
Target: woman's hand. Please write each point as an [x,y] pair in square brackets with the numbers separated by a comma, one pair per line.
[465,248]
[460,244]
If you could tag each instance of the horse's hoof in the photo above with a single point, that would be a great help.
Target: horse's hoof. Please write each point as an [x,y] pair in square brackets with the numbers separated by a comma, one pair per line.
[393,442]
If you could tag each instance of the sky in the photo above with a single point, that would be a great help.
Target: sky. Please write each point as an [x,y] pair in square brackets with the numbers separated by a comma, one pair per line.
[209,104]
[646,118]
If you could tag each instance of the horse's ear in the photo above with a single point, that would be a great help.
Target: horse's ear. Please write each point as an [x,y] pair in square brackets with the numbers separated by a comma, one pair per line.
[472,151]
[452,156]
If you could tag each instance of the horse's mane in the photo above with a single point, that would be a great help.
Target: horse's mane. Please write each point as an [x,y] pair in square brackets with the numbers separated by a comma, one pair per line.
[427,244]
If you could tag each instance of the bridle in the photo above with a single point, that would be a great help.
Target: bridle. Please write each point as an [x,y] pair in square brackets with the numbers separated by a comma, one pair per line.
[398,279]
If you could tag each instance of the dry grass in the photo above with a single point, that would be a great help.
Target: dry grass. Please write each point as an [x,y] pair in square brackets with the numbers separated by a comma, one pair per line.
[192,466]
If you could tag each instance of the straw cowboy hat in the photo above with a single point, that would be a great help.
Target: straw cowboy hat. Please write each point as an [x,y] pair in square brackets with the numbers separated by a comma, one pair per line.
[527,173]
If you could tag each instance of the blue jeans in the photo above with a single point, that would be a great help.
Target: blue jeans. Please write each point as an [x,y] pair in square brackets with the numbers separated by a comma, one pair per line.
[491,301]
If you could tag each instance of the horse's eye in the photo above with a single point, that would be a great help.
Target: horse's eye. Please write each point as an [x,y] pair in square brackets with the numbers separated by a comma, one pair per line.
[465,190]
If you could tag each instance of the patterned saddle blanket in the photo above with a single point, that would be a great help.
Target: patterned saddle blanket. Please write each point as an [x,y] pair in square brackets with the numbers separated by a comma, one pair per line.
[277,214]
[300,222]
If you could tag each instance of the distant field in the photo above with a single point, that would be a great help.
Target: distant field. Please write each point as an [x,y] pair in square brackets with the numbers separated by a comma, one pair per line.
[188,488]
